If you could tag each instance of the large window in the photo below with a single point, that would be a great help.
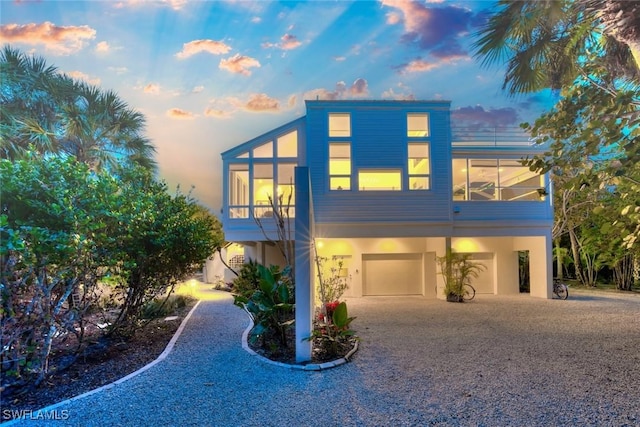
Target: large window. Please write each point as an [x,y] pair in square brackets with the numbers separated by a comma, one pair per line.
[339,125]
[286,188]
[262,189]
[494,179]
[288,145]
[340,166]
[418,166]
[379,180]
[239,191]
[417,125]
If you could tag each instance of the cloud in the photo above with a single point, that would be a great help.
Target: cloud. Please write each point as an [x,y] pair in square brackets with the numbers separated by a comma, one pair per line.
[393,18]
[259,102]
[103,47]
[417,66]
[256,19]
[79,75]
[292,101]
[59,39]
[197,89]
[432,27]
[479,118]
[177,113]
[212,46]
[359,89]
[173,4]
[239,64]
[217,113]
[118,70]
[152,88]
[287,42]
[391,94]
[339,58]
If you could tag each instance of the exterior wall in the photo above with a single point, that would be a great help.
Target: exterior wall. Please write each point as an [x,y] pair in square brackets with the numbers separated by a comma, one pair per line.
[378,140]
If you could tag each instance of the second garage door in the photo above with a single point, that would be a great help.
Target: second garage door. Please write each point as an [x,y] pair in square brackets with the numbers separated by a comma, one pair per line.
[392,274]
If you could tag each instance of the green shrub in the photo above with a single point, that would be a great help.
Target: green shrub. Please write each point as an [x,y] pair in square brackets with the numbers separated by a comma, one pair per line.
[248,280]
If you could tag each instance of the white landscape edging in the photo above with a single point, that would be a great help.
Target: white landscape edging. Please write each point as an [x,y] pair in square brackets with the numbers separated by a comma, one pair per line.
[159,359]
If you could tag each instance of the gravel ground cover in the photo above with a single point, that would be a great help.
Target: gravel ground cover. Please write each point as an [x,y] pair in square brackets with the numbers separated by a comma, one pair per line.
[497,361]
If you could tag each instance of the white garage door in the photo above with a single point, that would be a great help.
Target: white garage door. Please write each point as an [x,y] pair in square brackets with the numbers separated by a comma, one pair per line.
[392,274]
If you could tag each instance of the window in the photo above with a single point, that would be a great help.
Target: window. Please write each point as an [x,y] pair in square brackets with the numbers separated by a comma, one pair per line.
[264,151]
[340,166]
[379,180]
[239,191]
[494,179]
[262,190]
[418,167]
[286,187]
[339,125]
[288,145]
[417,125]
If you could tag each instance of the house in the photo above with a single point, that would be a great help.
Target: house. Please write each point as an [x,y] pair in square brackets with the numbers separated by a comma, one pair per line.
[386,186]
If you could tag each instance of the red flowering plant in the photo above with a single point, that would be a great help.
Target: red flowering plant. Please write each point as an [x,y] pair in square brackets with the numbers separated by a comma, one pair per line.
[332,336]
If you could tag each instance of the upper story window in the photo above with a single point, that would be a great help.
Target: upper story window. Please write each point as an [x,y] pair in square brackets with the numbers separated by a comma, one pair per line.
[340,166]
[263,151]
[239,190]
[417,125]
[339,125]
[287,144]
[418,167]
[379,180]
[495,179]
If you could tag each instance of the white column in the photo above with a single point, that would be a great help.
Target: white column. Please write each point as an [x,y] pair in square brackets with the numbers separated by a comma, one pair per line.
[303,264]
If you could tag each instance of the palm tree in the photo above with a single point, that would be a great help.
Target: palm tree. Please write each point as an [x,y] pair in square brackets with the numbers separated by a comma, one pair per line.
[48,112]
[544,43]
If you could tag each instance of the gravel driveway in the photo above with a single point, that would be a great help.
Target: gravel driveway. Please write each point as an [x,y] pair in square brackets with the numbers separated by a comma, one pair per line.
[497,361]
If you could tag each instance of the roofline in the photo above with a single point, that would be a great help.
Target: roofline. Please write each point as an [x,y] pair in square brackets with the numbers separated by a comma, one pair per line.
[261,137]
[374,102]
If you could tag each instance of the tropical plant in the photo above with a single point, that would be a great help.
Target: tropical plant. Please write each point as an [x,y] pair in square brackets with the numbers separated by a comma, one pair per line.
[331,334]
[333,280]
[45,111]
[457,269]
[544,43]
[271,306]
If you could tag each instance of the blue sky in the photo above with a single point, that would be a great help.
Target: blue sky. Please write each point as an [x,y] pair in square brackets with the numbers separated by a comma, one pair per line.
[209,75]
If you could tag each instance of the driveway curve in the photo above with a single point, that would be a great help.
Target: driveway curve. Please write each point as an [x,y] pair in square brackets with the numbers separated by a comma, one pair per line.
[497,361]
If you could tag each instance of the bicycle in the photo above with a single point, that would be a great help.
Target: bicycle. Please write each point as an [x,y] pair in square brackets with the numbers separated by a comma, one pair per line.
[560,289]
[468,292]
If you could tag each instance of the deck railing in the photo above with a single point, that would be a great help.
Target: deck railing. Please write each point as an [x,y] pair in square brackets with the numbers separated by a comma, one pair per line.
[490,137]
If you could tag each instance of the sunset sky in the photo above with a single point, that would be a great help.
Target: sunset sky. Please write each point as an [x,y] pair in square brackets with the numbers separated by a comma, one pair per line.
[209,75]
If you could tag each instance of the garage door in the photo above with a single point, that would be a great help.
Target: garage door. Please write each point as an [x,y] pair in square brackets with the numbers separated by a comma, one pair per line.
[392,274]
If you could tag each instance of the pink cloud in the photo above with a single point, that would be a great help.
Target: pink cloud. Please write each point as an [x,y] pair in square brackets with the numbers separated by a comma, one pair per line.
[359,88]
[418,66]
[239,64]
[211,46]
[60,39]
[78,75]
[259,102]
[287,42]
[103,47]
[217,113]
[177,113]
[432,27]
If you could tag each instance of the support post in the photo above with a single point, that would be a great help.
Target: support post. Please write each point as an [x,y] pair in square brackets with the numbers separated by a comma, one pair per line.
[304,266]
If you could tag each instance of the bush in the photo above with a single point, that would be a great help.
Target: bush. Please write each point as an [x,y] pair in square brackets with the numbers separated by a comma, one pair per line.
[162,307]
[248,280]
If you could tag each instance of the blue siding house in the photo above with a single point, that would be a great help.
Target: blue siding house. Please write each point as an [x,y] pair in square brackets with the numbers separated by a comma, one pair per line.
[387,186]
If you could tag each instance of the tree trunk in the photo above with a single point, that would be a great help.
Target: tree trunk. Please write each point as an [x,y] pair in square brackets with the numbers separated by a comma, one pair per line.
[575,251]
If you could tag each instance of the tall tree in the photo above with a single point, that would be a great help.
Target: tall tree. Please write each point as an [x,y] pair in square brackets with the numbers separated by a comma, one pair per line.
[543,42]
[48,112]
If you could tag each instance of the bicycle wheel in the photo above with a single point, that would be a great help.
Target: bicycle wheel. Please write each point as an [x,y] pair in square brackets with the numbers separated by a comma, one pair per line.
[468,293]
[561,291]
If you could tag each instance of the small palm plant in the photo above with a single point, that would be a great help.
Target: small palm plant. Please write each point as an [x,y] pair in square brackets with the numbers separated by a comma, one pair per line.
[457,270]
